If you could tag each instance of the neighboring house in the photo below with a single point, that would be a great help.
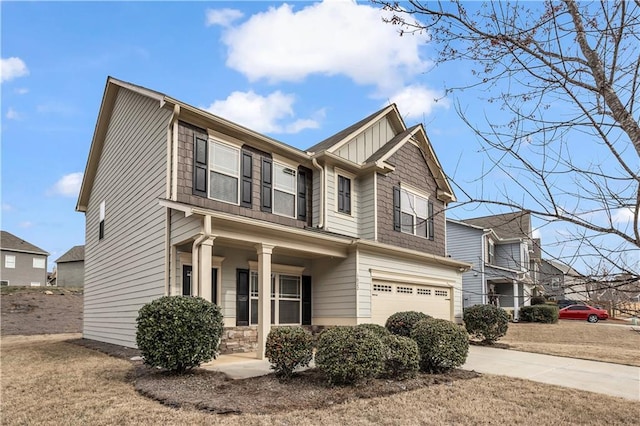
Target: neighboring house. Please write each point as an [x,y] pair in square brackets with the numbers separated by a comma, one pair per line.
[562,282]
[505,257]
[181,202]
[23,263]
[70,270]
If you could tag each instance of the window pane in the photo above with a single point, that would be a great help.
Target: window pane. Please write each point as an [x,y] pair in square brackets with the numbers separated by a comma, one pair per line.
[284,178]
[224,158]
[38,263]
[253,284]
[254,311]
[289,286]
[406,202]
[407,223]
[421,207]
[421,227]
[9,261]
[289,312]
[283,203]
[224,188]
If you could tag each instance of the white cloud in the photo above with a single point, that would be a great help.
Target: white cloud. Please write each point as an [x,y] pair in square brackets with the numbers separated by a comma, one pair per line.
[12,114]
[536,233]
[417,100]
[623,216]
[68,185]
[329,38]
[262,113]
[223,17]
[56,108]
[25,224]
[21,91]
[11,68]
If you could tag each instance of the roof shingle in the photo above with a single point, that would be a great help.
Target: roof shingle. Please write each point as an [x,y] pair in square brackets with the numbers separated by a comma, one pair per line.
[75,254]
[8,241]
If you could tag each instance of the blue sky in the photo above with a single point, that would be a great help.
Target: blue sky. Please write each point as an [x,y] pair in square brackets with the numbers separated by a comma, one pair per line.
[297,72]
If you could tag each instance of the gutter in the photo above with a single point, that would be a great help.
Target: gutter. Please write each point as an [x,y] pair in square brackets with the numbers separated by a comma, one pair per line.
[322,192]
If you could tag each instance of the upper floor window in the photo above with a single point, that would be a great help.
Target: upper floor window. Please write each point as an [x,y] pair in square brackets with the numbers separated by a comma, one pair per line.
[491,256]
[101,224]
[38,263]
[224,172]
[284,190]
[344,194]
[413,213]
[9,261]
[555,282]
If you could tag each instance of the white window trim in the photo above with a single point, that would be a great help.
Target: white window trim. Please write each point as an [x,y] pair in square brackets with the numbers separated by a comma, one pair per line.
[13,262]
[274,189]
[211,169]
[491,252]
[275,297]
[35,283]
[411,190]
[340,172]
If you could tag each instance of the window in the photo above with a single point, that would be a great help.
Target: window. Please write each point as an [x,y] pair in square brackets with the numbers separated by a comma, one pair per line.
[224,172]
[286,298]
[38,263]
[442,293]
[4,283]
[424,291]
[416,214]
[383,288]
[555,282]
[344,194]
[101,225]
[284,190]
[491,256]
[404,290]
[35,284]
[9,261]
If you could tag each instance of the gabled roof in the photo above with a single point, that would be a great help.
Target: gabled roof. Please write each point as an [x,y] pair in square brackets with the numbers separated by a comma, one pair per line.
[506,225]
[75,254]
[398,139]
[564,268]
[10,242]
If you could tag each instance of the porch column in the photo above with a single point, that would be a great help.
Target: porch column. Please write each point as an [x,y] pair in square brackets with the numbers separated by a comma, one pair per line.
[516,304]
[264,296]
[204,273]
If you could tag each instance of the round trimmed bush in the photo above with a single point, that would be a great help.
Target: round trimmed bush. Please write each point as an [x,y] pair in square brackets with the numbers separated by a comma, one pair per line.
[486,322]
[442,344]
[376,329]
[402,357]
[178,333]
[538,300]
[347,355]
[288,348]
[401,323]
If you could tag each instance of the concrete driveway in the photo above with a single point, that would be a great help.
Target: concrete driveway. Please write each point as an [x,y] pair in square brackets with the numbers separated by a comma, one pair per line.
[601,377]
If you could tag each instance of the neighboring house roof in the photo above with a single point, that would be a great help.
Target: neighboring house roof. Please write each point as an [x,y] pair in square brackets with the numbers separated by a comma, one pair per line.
[75,254]
[10,242]
[564,268]
[506,225]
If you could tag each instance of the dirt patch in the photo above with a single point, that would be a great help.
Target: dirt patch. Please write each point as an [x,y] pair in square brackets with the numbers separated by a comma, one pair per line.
[213,392]
[27,311]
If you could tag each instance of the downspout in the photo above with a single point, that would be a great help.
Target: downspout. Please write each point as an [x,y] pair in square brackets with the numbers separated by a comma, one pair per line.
[172,146]
[195,254]
[322,191]
[485,289]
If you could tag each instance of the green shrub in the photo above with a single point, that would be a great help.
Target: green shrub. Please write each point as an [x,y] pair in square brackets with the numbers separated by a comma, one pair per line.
[178,333]
[539,313]
[442,344]
[402,357]
[376,329]
[538,300]
[288,348]
[401,323]
[486,322]
[347,355]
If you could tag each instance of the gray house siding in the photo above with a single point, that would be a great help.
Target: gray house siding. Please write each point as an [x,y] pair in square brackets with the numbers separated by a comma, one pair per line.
[341,223]
[367,206]
[125,269]
[23,274]
[508,255]
[367,142]
[334,289]
[465,243]
[70,274]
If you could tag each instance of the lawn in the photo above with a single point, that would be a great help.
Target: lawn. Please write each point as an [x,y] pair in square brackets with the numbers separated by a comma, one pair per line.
[577,339]
[49,381]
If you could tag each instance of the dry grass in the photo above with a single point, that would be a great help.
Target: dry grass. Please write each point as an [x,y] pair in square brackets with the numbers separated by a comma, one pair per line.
[52,382]
[577,339]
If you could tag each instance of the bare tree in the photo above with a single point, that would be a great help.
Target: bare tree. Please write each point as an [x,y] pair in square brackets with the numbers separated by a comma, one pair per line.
[567,75]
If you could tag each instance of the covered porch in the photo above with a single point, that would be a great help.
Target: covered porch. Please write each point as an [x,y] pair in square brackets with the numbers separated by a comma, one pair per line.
[509,290]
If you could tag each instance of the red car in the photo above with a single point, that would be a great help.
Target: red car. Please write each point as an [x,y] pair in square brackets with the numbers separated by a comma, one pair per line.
[583,312]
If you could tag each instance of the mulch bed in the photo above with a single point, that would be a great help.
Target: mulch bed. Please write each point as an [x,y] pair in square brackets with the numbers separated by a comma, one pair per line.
[213,392]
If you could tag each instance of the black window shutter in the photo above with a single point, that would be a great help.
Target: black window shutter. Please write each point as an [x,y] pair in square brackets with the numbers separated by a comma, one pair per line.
[306,300]
[242,297]
[430,220]
[267,176]
[396,208]
[340,193]
[245,189]
[302,194]
[200,146]
[347,195]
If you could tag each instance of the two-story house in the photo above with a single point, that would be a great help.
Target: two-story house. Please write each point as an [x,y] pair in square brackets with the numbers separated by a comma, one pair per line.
[181,202]
[505,258]
[561,282]
[22,264]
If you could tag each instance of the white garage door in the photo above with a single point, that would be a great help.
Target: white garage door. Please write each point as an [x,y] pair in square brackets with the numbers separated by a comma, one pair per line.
[388,298]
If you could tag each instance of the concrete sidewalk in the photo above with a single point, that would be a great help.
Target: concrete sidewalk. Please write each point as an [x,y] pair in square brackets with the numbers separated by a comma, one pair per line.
[600,377]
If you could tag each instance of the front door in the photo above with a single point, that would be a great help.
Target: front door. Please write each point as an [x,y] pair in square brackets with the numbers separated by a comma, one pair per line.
[186,282]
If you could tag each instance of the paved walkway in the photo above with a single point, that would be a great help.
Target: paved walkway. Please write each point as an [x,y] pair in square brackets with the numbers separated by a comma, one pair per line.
[600,377]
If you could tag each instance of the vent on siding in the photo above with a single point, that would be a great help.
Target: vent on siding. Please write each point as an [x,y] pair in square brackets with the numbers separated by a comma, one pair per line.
[384,288]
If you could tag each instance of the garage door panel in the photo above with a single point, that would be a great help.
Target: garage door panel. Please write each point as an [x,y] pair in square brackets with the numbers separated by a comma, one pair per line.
[389,298]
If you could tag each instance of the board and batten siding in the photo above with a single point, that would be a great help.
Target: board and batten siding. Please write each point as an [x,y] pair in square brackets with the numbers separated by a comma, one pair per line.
[465,243]
[394,264]
[367,142]
[125,269]
[341,223]
[334,290]
[366,206]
